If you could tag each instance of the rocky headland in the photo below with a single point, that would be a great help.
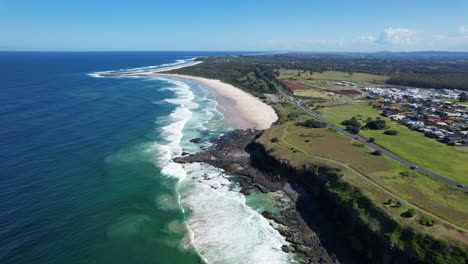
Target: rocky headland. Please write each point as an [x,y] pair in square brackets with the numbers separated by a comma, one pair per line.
[299,221]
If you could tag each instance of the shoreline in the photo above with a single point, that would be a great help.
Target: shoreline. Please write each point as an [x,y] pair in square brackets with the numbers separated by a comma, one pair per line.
[242,109]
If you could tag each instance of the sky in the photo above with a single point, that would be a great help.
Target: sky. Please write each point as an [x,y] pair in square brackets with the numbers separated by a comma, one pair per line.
[228,25]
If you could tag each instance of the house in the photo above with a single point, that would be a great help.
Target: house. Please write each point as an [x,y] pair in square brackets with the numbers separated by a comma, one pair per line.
[433,120]
[441,123]
[397,117]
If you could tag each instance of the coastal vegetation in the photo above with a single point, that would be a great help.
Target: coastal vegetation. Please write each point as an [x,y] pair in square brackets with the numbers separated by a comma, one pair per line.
[409,212]
[398,204]
[442,70]
[411,145]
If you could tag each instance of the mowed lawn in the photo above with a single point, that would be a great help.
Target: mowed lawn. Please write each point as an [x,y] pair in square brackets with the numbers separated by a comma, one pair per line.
[450,162]
[302,145]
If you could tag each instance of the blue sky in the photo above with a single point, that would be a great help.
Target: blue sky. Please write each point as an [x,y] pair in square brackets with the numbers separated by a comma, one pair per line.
[303,25]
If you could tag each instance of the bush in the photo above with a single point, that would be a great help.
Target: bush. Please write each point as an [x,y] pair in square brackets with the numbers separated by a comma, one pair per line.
[376,124]
[311,123]
[426,221]
[408,214]
[377,153]
[353,129]
[463,97]
[352,125]
[371,139]
[274,140]
[391,132]
[405,174]
[351,122]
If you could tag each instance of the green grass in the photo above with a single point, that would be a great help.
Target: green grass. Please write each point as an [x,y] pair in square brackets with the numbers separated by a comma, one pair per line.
[335,76]
[311,93]
[450,162]
[301,145]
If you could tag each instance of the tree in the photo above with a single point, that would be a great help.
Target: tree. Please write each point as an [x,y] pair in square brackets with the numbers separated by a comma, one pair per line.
[352,125]
[376,124]
[353,129]
[391,132]
[463,97]
[312,123]
[409,213]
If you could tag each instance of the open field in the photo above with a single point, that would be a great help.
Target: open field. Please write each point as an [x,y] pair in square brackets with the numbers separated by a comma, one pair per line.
[451,162]
[312,93]
[334,76]
[302,145]
[318,85]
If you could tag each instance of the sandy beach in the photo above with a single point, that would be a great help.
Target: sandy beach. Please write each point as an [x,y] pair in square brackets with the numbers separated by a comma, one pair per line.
[241,108]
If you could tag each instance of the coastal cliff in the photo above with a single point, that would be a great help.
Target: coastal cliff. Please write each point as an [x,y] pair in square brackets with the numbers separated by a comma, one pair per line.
[327,221]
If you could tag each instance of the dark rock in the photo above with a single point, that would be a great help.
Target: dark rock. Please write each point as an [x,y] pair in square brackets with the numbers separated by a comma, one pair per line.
[272,216]
[245,191]
[229,152]
[196,140]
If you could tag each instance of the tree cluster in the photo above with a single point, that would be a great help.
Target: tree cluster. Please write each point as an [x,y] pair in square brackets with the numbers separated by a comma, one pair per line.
[352,125]
[312,123]
[376,124]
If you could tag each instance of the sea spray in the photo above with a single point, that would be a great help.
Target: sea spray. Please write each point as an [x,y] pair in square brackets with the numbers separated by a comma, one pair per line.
[221,227]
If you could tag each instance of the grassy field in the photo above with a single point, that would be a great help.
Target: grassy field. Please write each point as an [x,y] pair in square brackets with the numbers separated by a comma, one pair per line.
[311,93]
[302,145]
[335,76]
[451,162]
[316,85]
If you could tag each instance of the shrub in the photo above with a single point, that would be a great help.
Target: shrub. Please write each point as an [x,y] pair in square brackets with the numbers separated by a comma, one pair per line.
[312,123]
[377,153]
[405,174]
[353,129]
[391,132]
[274,140]
[371,139]
[409,213]
[463,97]
[426,221]
[352,125]
[376,124]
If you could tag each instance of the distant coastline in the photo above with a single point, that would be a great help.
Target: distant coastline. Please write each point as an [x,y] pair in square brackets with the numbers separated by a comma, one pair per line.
[242,109]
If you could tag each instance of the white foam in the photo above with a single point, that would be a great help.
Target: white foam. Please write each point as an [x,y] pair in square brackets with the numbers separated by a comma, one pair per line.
[144,69]
[225,229]
[221,227]
[95,75]
[172,133]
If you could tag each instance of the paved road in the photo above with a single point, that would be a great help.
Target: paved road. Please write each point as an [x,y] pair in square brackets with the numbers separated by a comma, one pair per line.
[299,104]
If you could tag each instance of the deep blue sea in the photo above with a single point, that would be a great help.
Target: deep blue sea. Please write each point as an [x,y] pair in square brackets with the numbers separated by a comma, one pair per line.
[86,170]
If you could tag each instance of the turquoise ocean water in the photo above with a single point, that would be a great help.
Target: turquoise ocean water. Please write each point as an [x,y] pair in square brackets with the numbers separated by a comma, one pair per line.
[86,166]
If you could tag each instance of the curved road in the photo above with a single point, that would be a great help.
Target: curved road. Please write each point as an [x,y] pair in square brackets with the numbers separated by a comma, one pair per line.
[371,145]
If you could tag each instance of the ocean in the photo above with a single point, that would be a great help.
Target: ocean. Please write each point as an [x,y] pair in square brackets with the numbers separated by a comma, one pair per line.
[86,170]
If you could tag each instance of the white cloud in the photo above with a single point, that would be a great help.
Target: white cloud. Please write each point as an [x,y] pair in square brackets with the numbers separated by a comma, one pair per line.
[463,29]
[397,36]
[365,40]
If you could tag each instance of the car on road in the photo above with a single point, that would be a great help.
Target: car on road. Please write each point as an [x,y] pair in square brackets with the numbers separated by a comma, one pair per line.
[414,167]
[461,185]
